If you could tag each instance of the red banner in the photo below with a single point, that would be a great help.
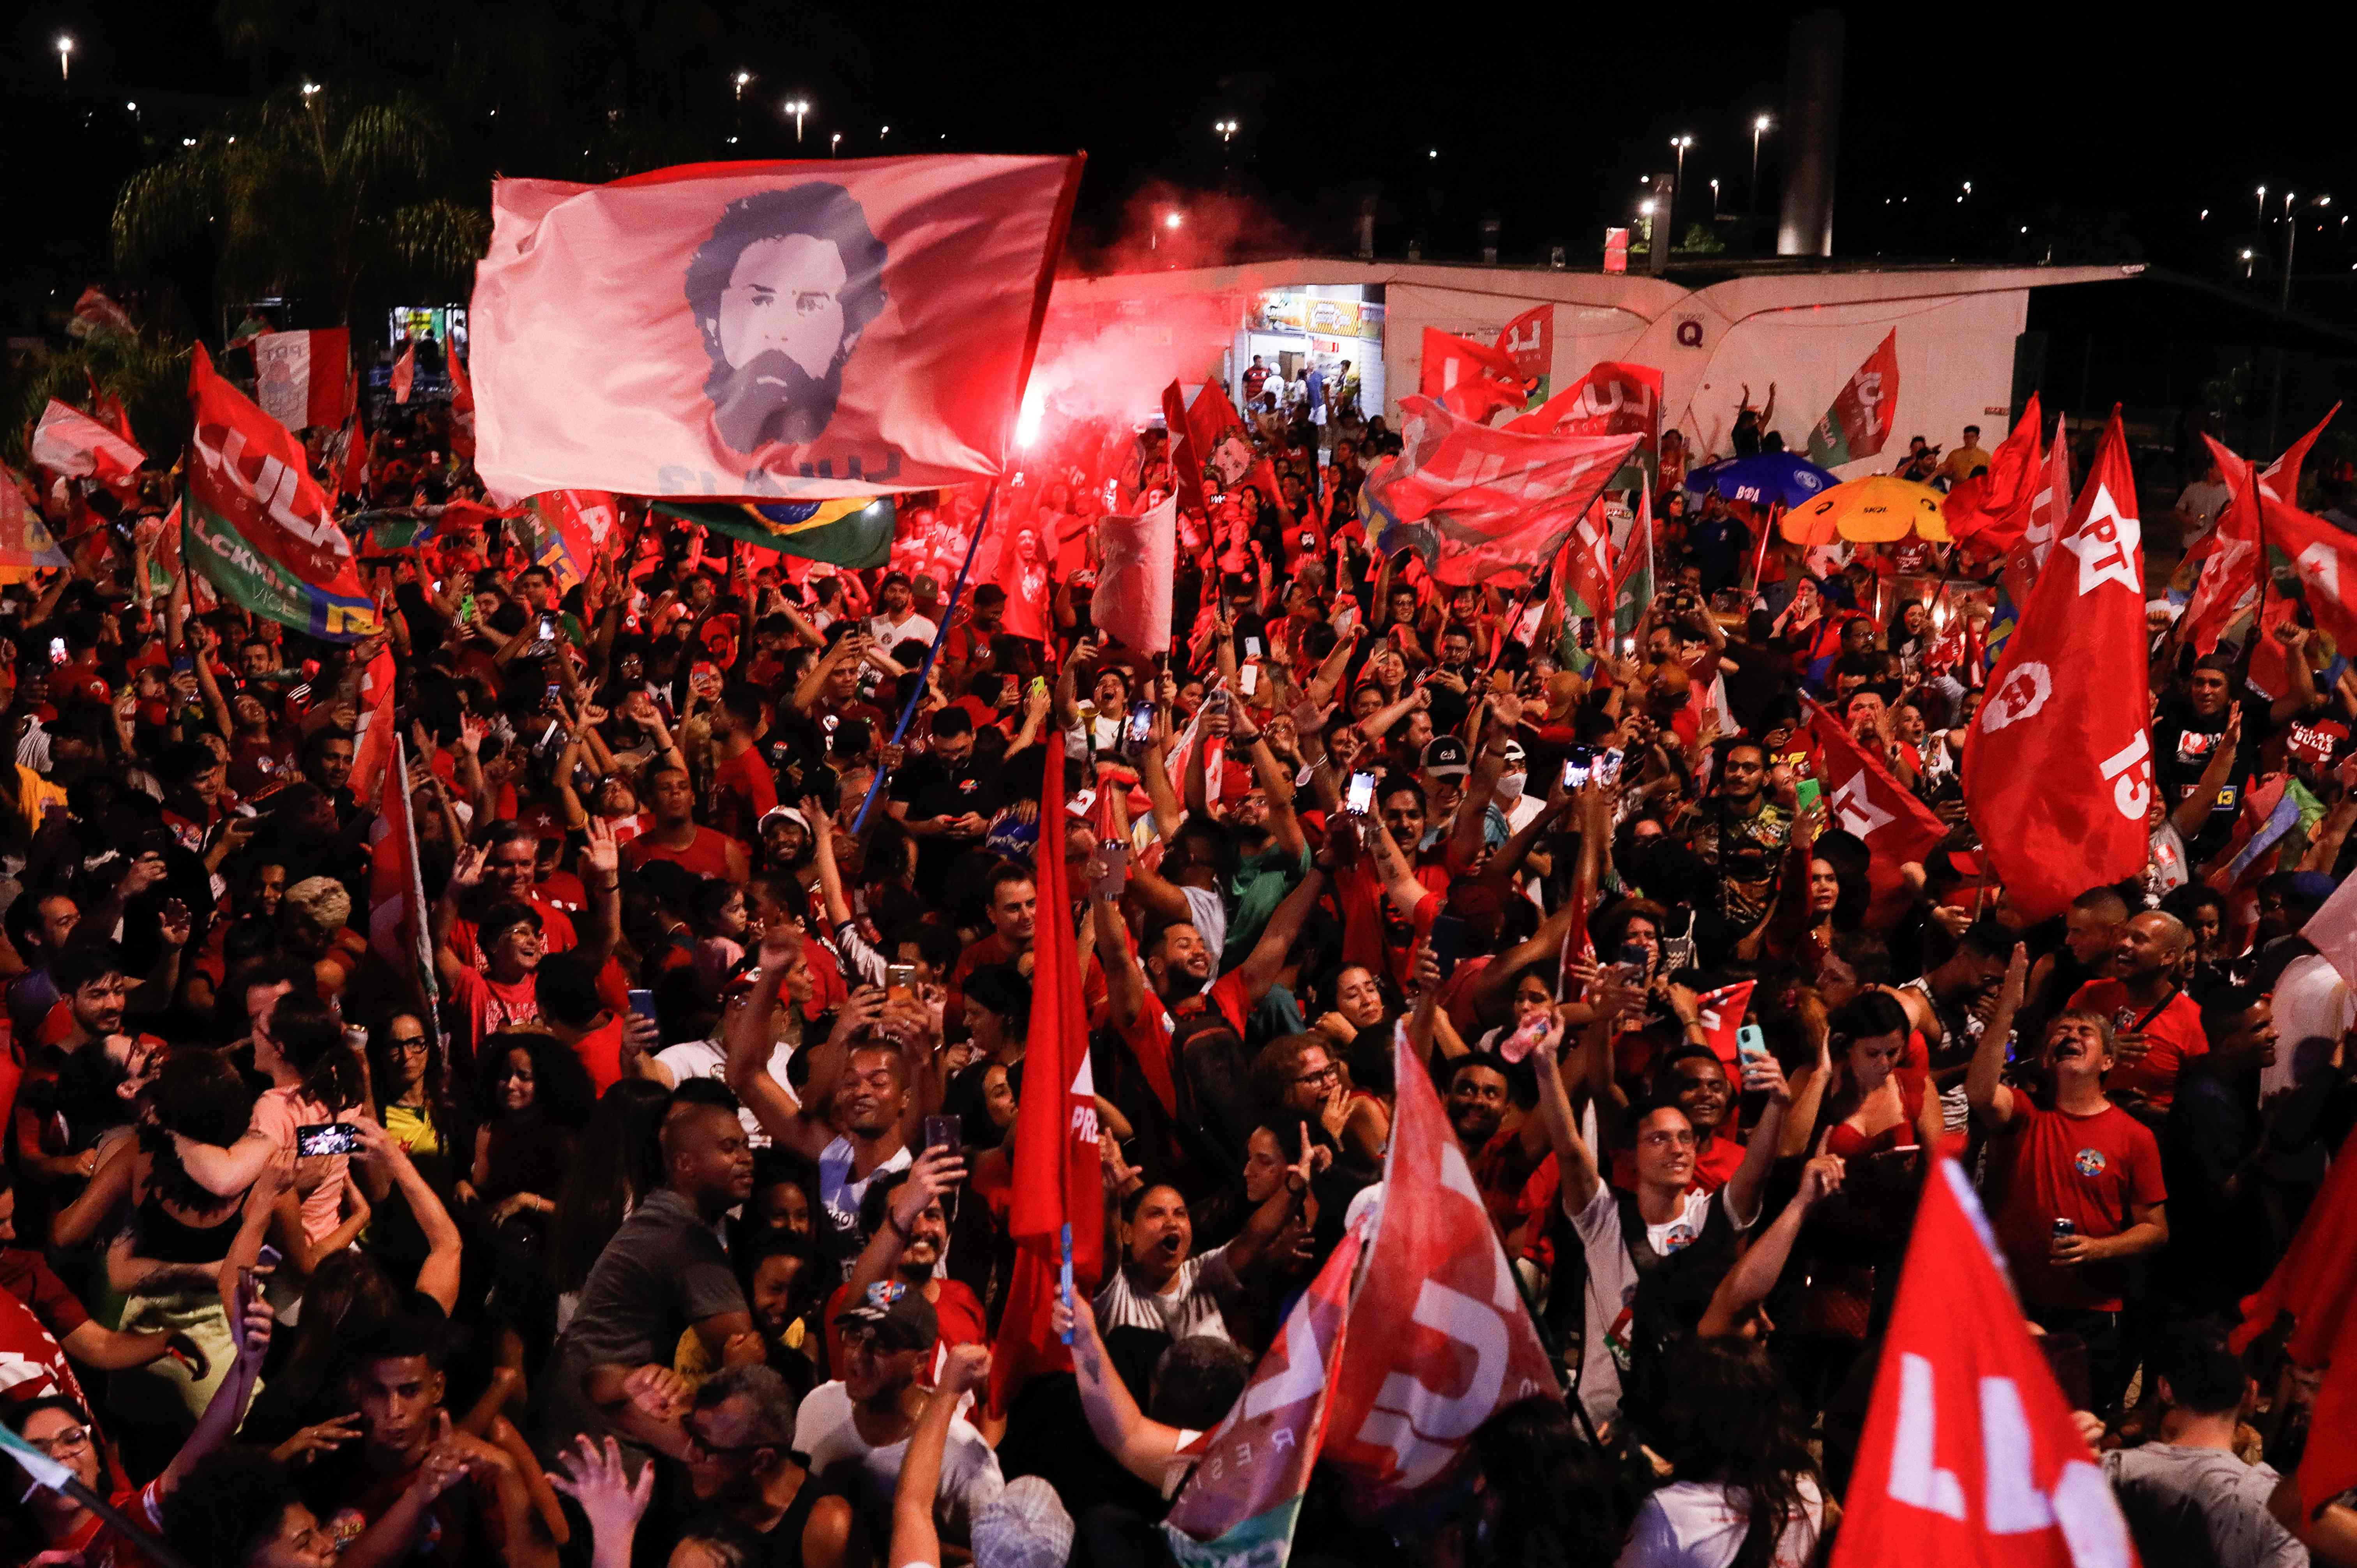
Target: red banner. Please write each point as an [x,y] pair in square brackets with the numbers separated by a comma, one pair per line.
[2057,766]
[301,378]
[405,374]
[796,330]
[1970,1457]
[1470,380]
[1131,604]
[70,442]
[1859,421]
[1440,1340]
[1611,399]
[1987,512]
[1863,800]
[1482,505]
[1529,341]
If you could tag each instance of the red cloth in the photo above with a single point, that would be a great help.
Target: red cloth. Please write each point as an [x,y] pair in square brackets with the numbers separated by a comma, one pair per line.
[2174,1036]
[1149,1035]
[600,1051]
[957,1310]
[1970,1457]
[743,788]
[2089,1170]
[488,1005]
[705,855]
[2057,766]
[2317,1283]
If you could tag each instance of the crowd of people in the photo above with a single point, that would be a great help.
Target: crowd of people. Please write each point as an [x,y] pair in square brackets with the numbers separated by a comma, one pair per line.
[664,1217]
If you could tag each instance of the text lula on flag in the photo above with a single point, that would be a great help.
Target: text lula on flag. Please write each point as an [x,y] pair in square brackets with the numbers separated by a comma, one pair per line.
[1859,421]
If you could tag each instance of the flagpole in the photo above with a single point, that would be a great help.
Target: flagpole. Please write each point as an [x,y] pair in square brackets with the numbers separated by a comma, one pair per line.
[924,670]
[420,955]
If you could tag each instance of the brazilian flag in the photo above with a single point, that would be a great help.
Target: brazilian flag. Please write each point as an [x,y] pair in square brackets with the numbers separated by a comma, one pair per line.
[855,530]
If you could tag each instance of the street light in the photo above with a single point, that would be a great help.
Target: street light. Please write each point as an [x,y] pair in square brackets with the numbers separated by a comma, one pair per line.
[1227,129]
[1759,127]
[2291,239]
[1713,201]
[796,107]
[65,56]
[882,134]
[1677,179]
[1154,234]
[835,147]
[744,80]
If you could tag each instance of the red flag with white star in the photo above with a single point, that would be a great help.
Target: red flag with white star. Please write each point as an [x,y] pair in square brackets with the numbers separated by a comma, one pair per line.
[1864,799]
[2057,766]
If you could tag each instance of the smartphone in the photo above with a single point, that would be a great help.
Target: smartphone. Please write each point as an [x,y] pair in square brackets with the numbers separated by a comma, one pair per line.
[1579,763]
[643,1003]
[1751,1045]
[328,1138]
[1249,679]
[1361,796]
[944,1131]
[1448,941]
[900,981]
[548,629]
[1141,726]
[269,1257]
[356,1038]
[1635,961]
[57,650]
[1252,650]
[1805,794]
[548,698]
[1608,766]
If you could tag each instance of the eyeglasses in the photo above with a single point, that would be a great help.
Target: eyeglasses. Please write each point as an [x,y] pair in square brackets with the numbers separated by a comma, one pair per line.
[72,1440]
[407,1043]
[1330,1073]
[1667,1140]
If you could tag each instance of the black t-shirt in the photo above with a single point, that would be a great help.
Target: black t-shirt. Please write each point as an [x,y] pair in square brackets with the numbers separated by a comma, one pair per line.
[929,788]
[2183,742]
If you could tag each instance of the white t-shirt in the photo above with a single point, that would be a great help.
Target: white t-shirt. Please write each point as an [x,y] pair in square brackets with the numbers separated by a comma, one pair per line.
[888,635]
[709,1059]
[970,1481]
[839,1193]
[1189,1305]
[1699,1524]
[1612,1284]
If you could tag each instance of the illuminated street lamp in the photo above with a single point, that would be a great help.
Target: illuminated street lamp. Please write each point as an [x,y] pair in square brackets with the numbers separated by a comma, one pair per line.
[1227,129]
[835,147]
[796,107]
[65,56]
[744,80]
[1759,128]
[1171,220]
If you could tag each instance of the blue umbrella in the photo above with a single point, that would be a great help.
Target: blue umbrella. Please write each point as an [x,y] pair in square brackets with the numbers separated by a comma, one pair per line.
[1770,478]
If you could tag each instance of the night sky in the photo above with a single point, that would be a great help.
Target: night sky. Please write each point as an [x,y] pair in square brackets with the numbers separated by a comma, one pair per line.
[2102,134]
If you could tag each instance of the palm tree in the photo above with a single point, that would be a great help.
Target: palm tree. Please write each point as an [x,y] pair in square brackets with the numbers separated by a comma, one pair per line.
[147,371]
[305,197]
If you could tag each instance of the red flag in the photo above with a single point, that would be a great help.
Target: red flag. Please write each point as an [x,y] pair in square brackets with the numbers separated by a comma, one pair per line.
[1140,564]
[404,372]
[70,442]
[1186,458]
[2057,766]
[1970,1457]
[1611,399]
[301,379]
[627,346]
[1480,505]
[355,478]
[1469,380]
[94,312]
[2316,1283]
[1439,1338]
[1720,1014]
[1244,1496]
[1863,798]
[1529,341]
[25,545]
[1988,512]
[108,409]
[2231,562]
[1862,414]
[1059,1204]
[2323,556]
[462,407]
[1588,564]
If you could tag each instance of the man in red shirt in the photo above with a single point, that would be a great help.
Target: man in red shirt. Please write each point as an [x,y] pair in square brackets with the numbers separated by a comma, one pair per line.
[2156,1026]
[675,835]
[1012,902]
[2084,1193]
[511,871]
[908,1230]
[743,788]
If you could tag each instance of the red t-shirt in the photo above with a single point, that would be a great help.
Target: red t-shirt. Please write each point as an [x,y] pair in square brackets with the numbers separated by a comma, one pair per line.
[705,855]
[1149,1035]
[958,1311]
[489,1006]
[743,788]
[600,1051]
[2174,1037]
[2090,1170]
[557,934]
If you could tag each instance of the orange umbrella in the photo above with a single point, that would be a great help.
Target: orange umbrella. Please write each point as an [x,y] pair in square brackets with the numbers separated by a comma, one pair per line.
[1875,509]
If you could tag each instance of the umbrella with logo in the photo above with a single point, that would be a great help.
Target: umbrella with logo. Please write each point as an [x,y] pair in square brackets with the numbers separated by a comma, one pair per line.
[1875,509]
[1770,479]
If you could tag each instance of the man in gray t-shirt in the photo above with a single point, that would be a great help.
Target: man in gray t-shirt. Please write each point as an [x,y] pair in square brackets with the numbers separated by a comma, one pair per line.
[665,1273]
[2190,1502]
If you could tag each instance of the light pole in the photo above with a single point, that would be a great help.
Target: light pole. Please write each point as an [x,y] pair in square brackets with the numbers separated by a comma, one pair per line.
[2259,221]
[65,56]
[1227,129]
[1677,183]
[1713,201]
[1154,231]
[796,107]
[744,80]
[2291,239]
[835,147]
[1759,127]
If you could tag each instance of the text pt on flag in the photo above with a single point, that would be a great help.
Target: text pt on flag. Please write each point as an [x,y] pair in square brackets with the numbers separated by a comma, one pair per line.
[773,330]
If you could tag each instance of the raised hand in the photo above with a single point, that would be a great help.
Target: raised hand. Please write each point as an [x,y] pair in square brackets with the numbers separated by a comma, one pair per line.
[325,1437]
[965,1369]
[602,853]
[658,1391]
[1820,1178]
[468,874]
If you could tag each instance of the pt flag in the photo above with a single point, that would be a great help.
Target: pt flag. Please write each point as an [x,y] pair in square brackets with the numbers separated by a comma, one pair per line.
[1483,506]
[1243,1499]
[1862,798]
[259,525]
[1439,1338]
[1059,1206]
[1134,582]
[301,378]
[1469,380]
[800,331]
[1859,421]
[2058,765]
[564,529]
[1970,1458]
[68,442]
[1186,457]
[1529,340]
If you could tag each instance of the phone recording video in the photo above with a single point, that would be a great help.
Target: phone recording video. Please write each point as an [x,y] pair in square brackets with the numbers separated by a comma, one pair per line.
[1578,765]
[328,1138]
[1361,795]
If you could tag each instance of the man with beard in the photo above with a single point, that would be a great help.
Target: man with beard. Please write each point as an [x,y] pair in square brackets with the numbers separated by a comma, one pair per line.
[935,795]
[2188,729]
[859,1425]
[1502,1157]
[2083,1192]
[908,1231]
[1692,1077]
[2156,1028]
[396,1386]
[782,291]
[1739,836]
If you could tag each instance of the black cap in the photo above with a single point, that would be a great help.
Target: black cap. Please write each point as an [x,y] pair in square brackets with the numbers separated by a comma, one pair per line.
[904,1323]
